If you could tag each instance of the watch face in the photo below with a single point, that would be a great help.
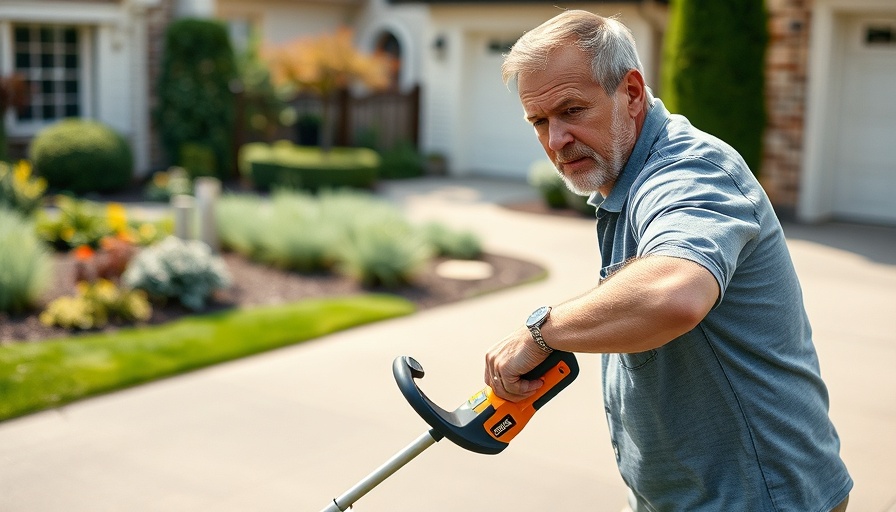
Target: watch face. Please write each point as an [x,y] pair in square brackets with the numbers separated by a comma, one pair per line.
[538,316]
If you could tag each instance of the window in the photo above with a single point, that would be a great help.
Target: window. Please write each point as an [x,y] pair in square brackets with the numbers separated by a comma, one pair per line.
[48,57]
[880,35]
[499,46]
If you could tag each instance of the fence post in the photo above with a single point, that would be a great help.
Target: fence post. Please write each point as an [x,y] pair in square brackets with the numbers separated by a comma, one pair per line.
[207,191]
[183,206]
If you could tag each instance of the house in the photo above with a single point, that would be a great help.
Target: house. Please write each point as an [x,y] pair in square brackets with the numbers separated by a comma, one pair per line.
[831,79]
[832,106]
[454,51]
[83,59]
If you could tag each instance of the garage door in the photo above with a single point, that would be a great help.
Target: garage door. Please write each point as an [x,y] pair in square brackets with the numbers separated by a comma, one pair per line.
[866,128]
[499,142]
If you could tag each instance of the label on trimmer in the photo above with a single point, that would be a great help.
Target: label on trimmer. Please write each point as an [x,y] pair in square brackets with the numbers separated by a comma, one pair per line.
[502,427]
[477,399]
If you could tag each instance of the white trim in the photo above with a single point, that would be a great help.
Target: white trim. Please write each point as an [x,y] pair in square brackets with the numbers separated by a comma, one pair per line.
[140,120]
[70,13]
[88,97]
[409,49]
[817,178]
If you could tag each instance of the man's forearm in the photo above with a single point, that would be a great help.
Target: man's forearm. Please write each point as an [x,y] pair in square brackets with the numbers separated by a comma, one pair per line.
[648,303]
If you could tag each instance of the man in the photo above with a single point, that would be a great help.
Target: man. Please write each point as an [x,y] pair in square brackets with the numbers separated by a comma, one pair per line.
[710,378]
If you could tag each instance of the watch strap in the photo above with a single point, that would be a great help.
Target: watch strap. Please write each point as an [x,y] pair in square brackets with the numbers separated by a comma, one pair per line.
[539,340]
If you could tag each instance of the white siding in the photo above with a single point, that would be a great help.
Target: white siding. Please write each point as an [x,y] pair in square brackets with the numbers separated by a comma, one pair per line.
[470,115]
[283,21]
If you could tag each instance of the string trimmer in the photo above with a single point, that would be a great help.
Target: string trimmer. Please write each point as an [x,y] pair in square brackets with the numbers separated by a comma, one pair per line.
[483,424]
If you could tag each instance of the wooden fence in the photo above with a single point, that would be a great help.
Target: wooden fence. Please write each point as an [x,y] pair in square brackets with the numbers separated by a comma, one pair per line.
[381,120]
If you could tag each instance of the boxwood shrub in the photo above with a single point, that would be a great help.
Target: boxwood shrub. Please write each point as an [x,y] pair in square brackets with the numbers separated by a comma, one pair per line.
[82,155]
[283,164]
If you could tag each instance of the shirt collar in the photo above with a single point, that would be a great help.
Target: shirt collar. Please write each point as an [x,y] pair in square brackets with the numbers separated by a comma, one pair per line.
[654,121]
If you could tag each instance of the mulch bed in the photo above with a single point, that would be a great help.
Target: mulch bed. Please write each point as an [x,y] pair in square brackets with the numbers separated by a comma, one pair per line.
[255,284]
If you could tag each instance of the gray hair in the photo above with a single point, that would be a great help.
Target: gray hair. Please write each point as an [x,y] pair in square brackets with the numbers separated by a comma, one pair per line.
[609,43]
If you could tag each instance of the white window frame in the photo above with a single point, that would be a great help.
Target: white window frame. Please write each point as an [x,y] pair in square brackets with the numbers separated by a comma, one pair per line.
[27,128]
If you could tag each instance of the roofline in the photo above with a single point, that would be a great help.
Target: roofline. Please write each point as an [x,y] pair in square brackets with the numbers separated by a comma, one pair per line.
[484,2]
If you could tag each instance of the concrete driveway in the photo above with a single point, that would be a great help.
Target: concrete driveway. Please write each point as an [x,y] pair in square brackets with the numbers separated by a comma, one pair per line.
[291,429]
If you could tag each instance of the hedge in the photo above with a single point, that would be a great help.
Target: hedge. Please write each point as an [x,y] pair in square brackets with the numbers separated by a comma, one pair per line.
[284,164]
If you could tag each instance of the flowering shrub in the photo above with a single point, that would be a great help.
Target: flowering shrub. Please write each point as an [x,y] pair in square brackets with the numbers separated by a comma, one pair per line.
[167,184]
[19,189]
[183,270]
[95,304]
[107,262]
[80,222]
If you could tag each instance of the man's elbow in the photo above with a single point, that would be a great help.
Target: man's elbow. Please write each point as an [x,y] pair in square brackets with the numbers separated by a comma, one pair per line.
[685,315]
[689,299]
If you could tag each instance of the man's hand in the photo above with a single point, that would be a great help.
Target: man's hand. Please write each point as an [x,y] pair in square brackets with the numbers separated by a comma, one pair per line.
[508,360]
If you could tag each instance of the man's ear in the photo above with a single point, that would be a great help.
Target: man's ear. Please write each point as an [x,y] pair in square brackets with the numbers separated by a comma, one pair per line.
[635,91]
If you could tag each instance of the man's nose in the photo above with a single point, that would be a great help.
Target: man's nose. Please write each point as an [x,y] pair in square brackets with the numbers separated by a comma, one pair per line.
[558,135]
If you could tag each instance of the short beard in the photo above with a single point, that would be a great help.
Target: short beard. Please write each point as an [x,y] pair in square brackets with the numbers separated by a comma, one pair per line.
[605,170]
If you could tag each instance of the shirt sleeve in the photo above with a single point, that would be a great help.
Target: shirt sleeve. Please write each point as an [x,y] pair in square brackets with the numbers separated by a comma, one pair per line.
[692,208]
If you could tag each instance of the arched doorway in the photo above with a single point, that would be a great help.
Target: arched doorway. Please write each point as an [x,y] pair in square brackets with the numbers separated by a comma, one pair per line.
[387,44]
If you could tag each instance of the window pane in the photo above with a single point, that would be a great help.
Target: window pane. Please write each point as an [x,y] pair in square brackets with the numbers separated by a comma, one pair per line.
[72,110]
[23,61]
[48,112]
[71,86]
[22,35]
[46,87]
[70,36]
[46,60]
[71,61]
[46,35]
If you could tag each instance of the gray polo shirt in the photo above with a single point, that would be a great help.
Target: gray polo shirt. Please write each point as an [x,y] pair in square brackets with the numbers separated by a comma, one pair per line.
[733,415]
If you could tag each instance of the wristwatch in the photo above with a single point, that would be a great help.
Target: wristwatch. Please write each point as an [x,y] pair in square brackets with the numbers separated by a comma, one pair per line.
[535,321]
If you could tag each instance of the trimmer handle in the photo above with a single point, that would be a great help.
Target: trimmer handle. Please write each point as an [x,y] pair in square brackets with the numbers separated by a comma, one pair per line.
[486,423]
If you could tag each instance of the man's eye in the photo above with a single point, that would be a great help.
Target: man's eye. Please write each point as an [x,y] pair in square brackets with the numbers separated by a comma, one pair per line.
[538,122]
[574,110]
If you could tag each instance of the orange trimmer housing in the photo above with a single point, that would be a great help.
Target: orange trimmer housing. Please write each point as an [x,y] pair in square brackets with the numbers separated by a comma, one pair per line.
[486,423]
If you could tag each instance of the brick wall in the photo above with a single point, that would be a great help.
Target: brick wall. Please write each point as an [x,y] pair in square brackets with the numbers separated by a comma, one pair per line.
[786,69]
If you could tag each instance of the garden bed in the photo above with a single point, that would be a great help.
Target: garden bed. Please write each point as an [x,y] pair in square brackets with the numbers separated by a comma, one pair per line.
[257,285]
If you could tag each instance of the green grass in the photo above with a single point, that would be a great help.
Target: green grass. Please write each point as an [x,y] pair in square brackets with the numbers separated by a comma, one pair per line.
[36,376]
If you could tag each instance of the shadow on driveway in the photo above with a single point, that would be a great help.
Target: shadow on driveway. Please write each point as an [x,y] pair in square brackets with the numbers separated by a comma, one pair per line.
[875,243]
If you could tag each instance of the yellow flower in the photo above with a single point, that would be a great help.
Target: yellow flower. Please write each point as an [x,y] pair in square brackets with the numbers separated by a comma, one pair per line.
[117,217]
[105,291]
[138,305]
[22,171]
[147,232]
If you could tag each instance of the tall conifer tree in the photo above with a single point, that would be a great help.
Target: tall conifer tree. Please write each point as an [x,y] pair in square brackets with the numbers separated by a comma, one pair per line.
[714,70]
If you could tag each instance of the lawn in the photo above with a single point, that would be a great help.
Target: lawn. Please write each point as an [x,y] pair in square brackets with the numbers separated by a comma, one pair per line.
[36,376]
